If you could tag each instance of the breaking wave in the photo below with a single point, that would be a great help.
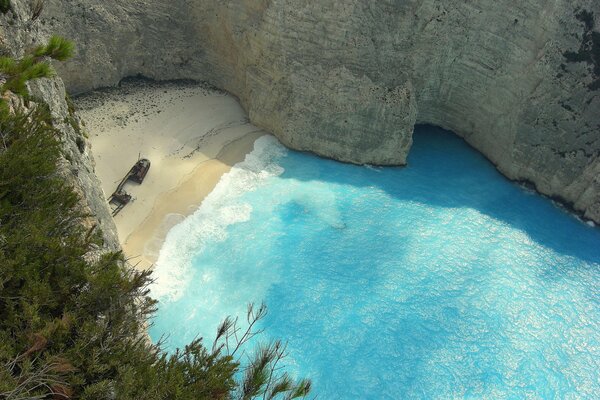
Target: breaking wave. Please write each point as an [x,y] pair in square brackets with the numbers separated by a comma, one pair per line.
[220,209]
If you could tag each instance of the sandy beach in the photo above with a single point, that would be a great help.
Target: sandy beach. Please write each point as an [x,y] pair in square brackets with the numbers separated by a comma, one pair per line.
[192,135]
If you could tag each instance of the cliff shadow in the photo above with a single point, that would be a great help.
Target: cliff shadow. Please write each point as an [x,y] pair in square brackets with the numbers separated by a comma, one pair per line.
[444,171]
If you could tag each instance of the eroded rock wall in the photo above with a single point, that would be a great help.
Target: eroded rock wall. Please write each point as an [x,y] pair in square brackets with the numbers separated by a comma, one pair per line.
[498,73]
[347,79]
[17,33]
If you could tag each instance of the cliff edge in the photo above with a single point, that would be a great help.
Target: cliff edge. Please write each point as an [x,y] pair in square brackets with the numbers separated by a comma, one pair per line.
[348,79]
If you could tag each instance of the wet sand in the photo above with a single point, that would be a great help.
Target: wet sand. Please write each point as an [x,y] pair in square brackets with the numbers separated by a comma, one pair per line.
[192,135]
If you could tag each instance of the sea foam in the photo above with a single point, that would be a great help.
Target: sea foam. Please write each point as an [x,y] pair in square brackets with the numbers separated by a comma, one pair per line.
[437,280]
[209,223]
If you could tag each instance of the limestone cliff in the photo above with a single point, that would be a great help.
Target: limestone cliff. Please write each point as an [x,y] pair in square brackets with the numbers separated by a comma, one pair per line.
[348,79]
[77,164]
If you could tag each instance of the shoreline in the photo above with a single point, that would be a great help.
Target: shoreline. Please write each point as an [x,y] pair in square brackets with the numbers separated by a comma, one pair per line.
[143,245]
[191,133]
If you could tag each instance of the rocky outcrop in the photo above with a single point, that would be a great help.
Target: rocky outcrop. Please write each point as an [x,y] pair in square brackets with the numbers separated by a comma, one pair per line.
[375,122]
[77,163]
[348,79]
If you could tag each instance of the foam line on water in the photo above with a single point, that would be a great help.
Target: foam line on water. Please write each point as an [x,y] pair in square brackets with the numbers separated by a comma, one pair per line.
[219,209]
[439,280]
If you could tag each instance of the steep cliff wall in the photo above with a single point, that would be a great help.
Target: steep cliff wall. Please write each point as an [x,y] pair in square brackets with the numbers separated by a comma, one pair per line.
[18,33]
[348,79]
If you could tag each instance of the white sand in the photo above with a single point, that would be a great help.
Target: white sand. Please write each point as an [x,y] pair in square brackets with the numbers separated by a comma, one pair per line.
[191,134]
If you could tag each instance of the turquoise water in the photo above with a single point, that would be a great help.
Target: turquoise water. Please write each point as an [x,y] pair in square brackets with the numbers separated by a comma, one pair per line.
[438,280]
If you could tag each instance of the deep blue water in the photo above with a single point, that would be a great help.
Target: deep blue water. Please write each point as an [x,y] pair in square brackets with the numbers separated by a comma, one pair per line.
[438,280]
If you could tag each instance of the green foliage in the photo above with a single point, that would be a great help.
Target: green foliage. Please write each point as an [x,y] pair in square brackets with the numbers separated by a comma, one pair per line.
[4,6]
[74,328]
[58,48]
[33,65]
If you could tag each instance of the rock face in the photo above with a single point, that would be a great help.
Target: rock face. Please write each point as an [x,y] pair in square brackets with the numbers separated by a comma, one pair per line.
[77,163]
[348,79]
[364,122]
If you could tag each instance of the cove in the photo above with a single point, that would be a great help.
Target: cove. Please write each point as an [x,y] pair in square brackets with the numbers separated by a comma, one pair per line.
[437,280]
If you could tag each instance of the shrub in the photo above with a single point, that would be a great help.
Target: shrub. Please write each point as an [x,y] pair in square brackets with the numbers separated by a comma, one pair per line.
[58,48]
[33,65]
[4,6]
[69,327]
[73,328]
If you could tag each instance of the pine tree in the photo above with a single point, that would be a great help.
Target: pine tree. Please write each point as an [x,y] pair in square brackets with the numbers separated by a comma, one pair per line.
[34,65]
[72,328]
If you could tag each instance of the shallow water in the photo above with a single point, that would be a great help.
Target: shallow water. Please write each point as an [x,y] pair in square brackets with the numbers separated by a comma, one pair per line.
[438,280]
